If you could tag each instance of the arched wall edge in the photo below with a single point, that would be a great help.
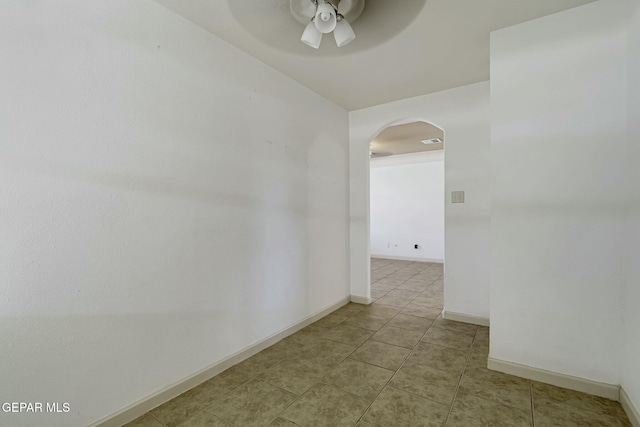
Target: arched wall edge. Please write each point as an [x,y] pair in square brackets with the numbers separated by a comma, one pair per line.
[464,114]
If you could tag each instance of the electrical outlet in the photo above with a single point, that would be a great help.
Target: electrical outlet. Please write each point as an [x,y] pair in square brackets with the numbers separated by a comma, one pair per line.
[457,197]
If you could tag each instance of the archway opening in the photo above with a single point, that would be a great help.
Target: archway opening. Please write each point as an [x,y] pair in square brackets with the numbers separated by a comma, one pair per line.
[406,217]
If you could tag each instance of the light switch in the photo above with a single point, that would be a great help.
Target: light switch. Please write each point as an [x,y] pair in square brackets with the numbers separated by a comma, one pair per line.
[457,197]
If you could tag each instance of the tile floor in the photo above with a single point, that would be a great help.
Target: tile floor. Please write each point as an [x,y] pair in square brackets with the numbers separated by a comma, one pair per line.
[394,363]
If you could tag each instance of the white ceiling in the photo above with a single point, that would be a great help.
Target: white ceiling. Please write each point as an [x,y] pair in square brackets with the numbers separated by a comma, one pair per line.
[446,45]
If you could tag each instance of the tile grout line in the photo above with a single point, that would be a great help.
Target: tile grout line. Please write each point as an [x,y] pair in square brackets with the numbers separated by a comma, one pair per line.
[157,419]
[394,374]
[533,417]
[289,405]
[455,394]
[386,384]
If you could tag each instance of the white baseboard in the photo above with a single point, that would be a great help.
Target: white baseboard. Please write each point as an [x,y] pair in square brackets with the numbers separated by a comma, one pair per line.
[465,318]
[146,404]
[404,258]
[629,408]
[361,300]
[608,391]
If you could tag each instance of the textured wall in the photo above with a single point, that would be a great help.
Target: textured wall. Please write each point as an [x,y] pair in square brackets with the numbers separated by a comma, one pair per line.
[164,203]
[558,128]
[407,206]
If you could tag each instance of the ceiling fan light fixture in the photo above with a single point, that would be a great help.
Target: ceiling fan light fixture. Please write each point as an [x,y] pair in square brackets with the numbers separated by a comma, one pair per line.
[326,18]
[311,36]
[343,33]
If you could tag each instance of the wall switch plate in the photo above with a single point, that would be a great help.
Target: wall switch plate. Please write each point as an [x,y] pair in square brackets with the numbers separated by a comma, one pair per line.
[457,197]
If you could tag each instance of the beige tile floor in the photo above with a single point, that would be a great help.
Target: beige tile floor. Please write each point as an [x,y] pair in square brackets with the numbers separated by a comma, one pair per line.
[393,363]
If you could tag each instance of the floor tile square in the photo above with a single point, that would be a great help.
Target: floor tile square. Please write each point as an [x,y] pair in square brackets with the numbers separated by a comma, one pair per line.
[377,293]
[497,387]
[326,353]
[253,404]
[552,413]
[309,335]
[402,276]
[413,323]
[399,408]
[432,384]
[281,422]
[579,400]
[397,336]
[381,354]
[330,320]
[465,328]
[430,301]
[482,335]
[189,403]
[242,372]
[367,321]
[433,292]
[421,309]
[478,357]
[380,286]
[438,357]
[394,301]
[348,334]
[359,378]
[204,419]
[284,349]
[472,411]
[294,375]
[411,285]
[380,310]
[448,338]
[324,405]
[147,420]
[403,293]
[349,309]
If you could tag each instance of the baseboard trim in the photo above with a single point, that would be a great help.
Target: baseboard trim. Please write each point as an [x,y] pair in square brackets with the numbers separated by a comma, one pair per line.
[608,391]
[404,258]
[361,300]
[146,404]
[629,408]
[465,318]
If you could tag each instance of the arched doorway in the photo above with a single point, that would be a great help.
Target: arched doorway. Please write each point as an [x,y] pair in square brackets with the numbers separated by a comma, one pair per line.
[407,140]
[406,218]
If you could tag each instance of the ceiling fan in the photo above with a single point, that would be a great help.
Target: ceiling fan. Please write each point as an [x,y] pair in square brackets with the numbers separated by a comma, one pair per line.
[326,16]
[279,23]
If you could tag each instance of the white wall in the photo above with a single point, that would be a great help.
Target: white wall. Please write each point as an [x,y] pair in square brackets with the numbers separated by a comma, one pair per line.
[631,345]
[463,113]
[407,206]
[165,202]
[558,108]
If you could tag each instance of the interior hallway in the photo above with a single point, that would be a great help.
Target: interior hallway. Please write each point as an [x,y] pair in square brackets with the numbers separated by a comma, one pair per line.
[393,363]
